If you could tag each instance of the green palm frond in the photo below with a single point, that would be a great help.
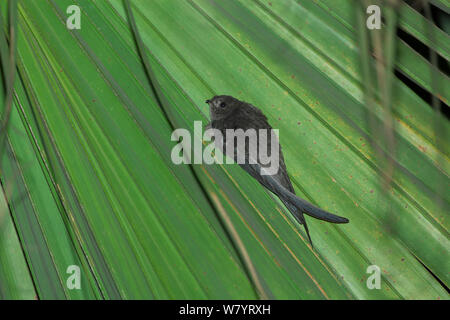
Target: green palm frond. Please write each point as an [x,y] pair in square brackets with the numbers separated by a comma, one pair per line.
[88,179]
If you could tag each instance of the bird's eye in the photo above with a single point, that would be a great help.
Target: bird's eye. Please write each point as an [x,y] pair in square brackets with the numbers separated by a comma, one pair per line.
[223,105]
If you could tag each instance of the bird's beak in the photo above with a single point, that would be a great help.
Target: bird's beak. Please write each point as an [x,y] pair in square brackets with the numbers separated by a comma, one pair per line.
[208,101]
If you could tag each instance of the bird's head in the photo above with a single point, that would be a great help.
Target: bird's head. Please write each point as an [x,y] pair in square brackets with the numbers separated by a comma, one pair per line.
[221,107]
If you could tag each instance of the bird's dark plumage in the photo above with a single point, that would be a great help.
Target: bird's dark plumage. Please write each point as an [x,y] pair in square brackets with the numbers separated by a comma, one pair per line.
[230,113]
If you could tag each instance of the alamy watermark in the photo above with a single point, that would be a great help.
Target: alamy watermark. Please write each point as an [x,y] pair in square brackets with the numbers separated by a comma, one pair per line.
[74,19]
[374,19]
[374,280]
[243,147]
[74,280]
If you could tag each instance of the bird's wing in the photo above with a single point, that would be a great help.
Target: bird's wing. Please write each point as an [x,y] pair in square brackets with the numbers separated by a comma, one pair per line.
[260,122]
[282,175]
[284,194]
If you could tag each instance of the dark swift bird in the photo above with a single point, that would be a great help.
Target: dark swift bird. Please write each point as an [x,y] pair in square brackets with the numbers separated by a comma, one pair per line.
[230,113]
